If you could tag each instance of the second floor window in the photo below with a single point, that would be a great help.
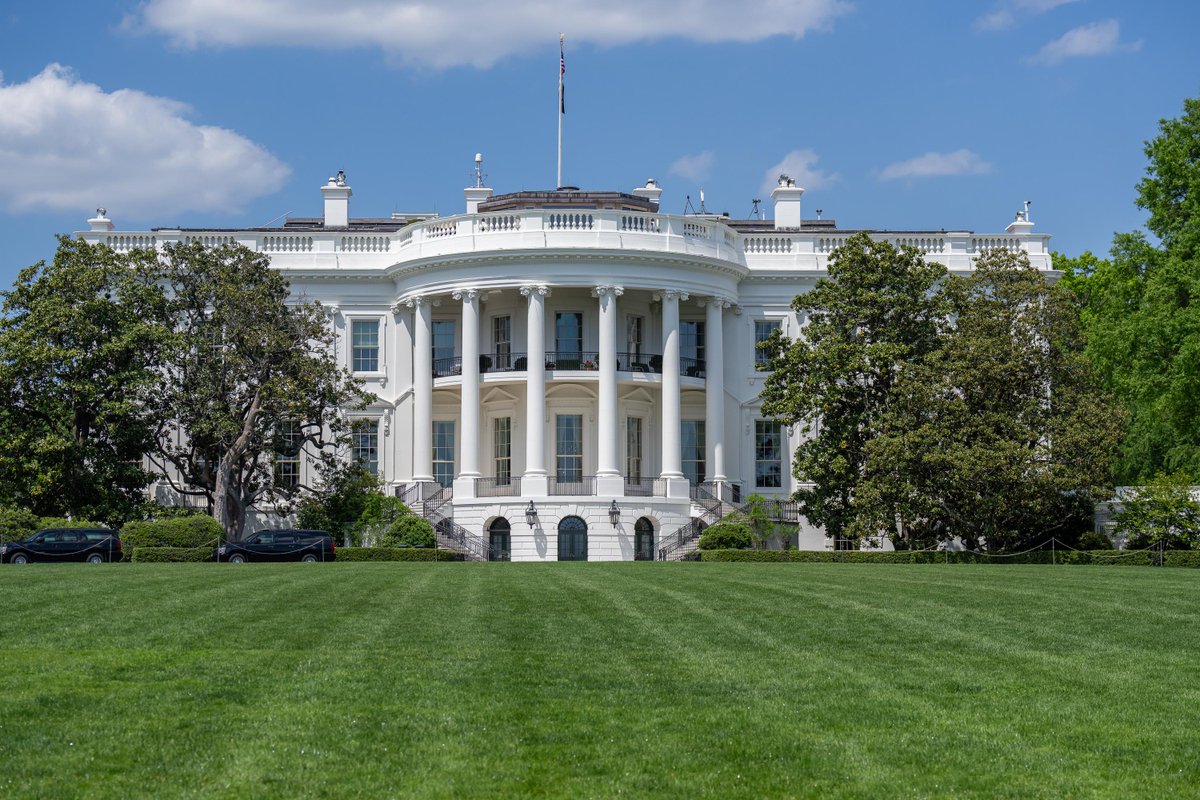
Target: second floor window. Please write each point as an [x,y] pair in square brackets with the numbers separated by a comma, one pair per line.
[443,452]
[568,448]
[443,339]
[364,343]
[568,332]
[502,450]
[364,444]
[502,341]
[768,454]
[763,330]
[692,446]
[287,457]
[633,448]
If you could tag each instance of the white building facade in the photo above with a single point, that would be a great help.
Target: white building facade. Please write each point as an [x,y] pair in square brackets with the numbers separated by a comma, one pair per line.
[567,375]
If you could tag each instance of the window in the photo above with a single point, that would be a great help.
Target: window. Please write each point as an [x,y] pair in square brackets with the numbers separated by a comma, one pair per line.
[568,448]
[572,539]
[502,449]
[568,333]
[634,327]
[364,343]
[768,454]
[499,540]
[643,540]
[633,448]
[443,338]
[364,444]
[443,452]
[502,341]
[692,446]
[287,457]
[763,330]
[691,348]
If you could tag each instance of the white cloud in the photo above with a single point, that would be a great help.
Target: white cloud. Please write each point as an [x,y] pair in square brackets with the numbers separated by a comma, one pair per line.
[69,145]
[960,162]
[1004,14]
[800,166]
[694,168]
[474,32]
[1096,39]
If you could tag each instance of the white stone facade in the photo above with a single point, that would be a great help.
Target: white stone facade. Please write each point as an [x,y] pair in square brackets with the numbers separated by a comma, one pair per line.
[644,327]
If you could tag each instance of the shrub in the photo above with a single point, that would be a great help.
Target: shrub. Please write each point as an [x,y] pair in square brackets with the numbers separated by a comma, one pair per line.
[195,531]
[396,554]
[379,513]
[1091,540]
[17,523]
[726,535]
[162,555]
[63,522]
[409,531]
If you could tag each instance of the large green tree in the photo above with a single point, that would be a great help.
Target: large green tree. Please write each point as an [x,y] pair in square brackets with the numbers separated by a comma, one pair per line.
[81,342]
[1142,309]
[256,374]
[1001,436]
[877,312]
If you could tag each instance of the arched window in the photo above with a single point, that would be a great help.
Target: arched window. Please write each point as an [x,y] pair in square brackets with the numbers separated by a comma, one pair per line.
[572,539]
[500,540]
[643,540]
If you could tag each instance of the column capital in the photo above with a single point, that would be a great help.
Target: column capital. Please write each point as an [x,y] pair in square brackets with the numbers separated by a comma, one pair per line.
[528,291]
[466,295]
[715,302]
[671,294]
[332,309]
[416,301]
[608,291]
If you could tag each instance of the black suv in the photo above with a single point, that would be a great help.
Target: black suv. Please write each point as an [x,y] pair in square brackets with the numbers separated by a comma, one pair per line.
[94,545]
[279,545]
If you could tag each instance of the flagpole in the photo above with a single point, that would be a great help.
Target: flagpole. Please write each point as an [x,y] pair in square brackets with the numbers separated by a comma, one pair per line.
[562,67]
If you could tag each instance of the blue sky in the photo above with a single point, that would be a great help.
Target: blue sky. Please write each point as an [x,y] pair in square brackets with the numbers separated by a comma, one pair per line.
[935,114]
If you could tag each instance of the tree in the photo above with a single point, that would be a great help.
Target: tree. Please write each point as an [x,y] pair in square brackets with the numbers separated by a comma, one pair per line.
[255,373]
[81,342]
[877,312]
[339,498]
[1001,434]
[1141,314]
[1161,511]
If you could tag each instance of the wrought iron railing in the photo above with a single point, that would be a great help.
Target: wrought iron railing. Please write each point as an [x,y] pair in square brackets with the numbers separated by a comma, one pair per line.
[584,486]
[708,496]
[503,362]
[645,487]
[586,360]
[445,367]
[497,487]
[691,367]
[650,363]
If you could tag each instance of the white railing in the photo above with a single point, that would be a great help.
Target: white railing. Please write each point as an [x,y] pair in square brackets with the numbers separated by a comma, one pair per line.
[378,243]
[573,221]
[639,223]
[440,229]
[209,240]
[491,223]
[124,242]
[286,244]
[767,244]
[982,244]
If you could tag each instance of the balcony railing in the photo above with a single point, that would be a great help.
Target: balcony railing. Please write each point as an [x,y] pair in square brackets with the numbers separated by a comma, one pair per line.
[445,367]
[645,487]
[497,487]
[503,362]
[584,486]
[573,359]
[578,360]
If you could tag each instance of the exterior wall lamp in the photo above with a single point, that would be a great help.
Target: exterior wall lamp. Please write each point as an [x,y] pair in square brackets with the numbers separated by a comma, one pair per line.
[614,513]
[531,513]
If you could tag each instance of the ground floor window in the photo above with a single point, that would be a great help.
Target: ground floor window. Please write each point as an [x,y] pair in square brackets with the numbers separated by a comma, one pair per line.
[364,444]
[692,445]
[500,540]
[768,454]
[502,450]
[287,456]
[643,540]
[443,452]
[572,539]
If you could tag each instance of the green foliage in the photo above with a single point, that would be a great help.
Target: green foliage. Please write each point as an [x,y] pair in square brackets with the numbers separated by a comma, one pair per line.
[875,313]
[726,534]
[152,510]
[81,342]
[63,522]
[380,513]
[396,554]
[252,363]
[17,523]
[1092,540]
[1162,510]
[193,531]
[176,555]
[339,500]
[409,531]
[1141,316]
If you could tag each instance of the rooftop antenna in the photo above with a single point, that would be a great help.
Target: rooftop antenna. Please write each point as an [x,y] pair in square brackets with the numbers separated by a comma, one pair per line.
[688,204]
[266,224]
[703,210]
[480,177]
[818,213]
[756,211]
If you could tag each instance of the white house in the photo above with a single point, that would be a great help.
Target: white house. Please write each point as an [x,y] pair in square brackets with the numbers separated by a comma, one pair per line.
[567,374]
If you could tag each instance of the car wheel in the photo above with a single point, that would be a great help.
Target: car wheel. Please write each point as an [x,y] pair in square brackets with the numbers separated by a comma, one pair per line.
[309,558]
[19,558]
[237,558]
[95,558]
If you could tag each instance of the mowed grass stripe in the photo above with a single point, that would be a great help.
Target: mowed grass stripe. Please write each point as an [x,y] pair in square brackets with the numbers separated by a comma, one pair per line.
[593,680]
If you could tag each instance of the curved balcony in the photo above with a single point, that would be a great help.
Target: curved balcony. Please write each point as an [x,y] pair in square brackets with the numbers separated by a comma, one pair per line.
[568,361]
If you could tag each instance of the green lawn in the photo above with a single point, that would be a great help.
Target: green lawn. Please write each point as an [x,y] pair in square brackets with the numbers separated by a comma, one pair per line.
[599,680]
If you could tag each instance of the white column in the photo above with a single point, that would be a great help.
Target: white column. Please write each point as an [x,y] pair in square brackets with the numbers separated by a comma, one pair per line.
[468,469]
[534,483]
[422,388]
[714,389]
[672,458]
[608,475]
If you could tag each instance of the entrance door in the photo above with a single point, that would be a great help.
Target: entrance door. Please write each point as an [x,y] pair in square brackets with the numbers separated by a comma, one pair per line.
[572,539]
[500,540]
[643,540]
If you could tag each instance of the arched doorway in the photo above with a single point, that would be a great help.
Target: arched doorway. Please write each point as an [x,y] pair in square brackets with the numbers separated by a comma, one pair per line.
[572,539]
[500,540]
[643,540]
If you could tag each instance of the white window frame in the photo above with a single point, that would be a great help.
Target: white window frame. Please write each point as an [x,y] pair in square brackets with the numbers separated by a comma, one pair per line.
[380,339]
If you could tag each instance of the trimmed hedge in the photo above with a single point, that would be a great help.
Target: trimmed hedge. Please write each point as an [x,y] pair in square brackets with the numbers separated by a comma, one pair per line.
[396,554]
[163,555]
[725,535]
[409,531]
[1171,558]
[196,531]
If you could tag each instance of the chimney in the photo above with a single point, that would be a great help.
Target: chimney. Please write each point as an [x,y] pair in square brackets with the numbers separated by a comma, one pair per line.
[337,201]
[100,222]
[477,193]
[787,203]
[1022,225]
[650,191]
